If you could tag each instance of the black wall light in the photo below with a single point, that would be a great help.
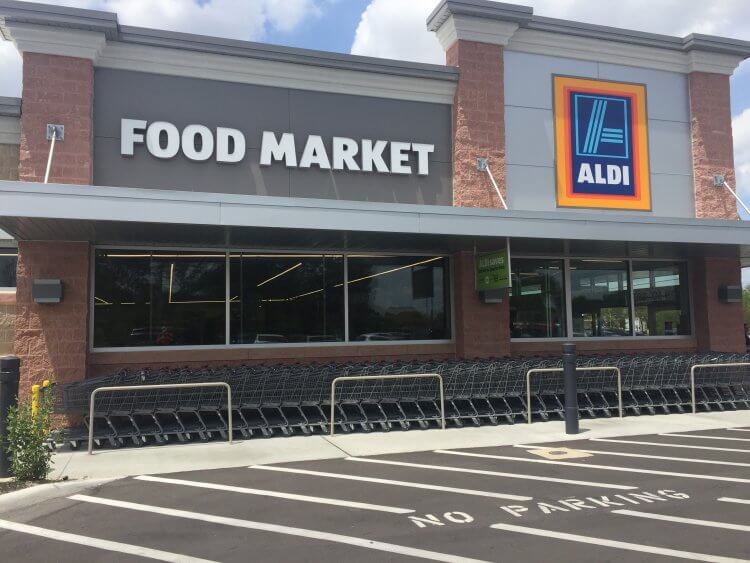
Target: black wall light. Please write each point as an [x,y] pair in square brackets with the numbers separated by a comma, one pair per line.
[47,291]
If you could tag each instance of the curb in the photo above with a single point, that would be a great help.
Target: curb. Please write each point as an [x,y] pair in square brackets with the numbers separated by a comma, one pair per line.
[36,494]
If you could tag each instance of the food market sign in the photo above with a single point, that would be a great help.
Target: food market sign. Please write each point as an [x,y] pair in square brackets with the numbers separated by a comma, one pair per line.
[199,143]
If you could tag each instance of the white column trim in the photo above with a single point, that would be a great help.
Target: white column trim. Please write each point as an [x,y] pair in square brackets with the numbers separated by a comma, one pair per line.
[30,38]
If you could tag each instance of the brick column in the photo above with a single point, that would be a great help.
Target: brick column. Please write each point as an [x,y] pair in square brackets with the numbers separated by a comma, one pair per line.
[718,326]
[52,339]
[57,90]
[481,328]
[711,124]
[478,122]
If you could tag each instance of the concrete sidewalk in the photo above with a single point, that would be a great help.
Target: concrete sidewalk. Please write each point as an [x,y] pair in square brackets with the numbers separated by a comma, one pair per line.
[218,455]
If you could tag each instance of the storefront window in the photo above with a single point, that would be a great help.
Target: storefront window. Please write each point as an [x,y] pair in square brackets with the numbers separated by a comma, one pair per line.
[398,298]
[600,298]
[286,298]
[537,299]
[8,262]
[662,303]
[159,299]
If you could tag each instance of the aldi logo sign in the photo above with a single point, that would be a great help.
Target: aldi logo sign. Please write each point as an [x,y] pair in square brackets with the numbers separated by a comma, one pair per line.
[601,144]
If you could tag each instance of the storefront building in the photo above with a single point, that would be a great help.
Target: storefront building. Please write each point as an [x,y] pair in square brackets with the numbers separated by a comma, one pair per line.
[216,201]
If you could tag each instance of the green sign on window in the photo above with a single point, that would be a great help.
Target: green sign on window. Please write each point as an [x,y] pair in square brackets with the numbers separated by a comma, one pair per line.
[493,270]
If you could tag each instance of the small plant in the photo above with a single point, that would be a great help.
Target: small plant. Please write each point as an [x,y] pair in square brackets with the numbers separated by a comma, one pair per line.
[27,435]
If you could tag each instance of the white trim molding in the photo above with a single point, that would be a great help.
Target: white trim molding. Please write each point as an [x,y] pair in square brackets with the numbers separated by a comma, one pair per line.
[475,29]
[614,52]
[29,38]
[10,130]
[195,64]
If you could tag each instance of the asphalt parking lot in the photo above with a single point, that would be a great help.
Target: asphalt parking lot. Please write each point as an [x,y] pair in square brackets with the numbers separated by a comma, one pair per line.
[639,498]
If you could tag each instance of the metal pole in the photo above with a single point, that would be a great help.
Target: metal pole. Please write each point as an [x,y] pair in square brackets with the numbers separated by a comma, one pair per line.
[497,190]
[742,203]
[49,158]
[571,391]
[10,373]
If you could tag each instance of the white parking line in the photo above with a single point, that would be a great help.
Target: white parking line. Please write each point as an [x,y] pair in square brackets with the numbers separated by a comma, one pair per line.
[278,529]
[704,437]
[410,484]
[646,456]
[667,445]
[618,544]
[735,500]
[106,545]
[594,466]
[493,473]
[275,494]
[680,520]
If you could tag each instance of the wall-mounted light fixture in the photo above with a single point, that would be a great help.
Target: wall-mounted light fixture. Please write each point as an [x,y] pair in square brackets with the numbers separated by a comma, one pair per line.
[483,165]
[54,133]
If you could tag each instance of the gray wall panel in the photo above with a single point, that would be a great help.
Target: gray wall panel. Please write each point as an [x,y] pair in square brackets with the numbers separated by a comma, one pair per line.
[666,92]
[529,132]
[253,109]
[528,82]
[673,195]
[316,183]
[670,147]
[533,136]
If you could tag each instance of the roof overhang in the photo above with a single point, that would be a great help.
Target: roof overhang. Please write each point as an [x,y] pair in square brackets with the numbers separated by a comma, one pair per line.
[28,206]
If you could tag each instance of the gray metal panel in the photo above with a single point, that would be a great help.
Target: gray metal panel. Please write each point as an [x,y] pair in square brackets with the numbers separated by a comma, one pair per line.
[253,109]
[85,204]
[355,186]
[528,81]
[10,107]
[326,114]
[530,137]
[530,187]
[670,145]
[667,92]
[673,195]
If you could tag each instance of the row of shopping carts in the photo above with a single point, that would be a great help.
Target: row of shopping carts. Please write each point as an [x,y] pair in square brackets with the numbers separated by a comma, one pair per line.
[269,400]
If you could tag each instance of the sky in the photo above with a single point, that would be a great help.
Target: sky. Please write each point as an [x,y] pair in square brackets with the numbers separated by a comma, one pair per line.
[396,29]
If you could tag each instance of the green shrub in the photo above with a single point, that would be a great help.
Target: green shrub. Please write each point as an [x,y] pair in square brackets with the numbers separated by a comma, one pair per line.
[30,458]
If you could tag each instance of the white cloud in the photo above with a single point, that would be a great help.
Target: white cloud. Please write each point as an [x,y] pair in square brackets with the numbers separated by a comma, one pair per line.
[235,19]
[396,28]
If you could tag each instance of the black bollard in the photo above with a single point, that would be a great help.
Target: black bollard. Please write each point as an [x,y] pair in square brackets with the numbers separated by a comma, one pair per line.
[10,373]
[571,388]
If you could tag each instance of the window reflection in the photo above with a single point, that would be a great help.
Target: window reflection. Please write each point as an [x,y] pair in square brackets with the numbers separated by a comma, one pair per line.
[537,299]
[600,298]
[286,298]
[8,262]
[159,299]
[660,293]
[398,298]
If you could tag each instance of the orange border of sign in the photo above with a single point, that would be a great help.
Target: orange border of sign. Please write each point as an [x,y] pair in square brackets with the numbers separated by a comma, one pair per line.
[641,200]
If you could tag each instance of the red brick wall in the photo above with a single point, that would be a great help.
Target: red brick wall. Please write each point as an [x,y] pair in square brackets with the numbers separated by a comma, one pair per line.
[482,329]
[718,326]
[57,90]
[51,339]
[478,122]
[711,123]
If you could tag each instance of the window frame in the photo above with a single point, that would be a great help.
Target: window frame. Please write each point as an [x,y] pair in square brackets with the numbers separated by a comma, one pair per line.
[227,345]
[569,300]
[9,250]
